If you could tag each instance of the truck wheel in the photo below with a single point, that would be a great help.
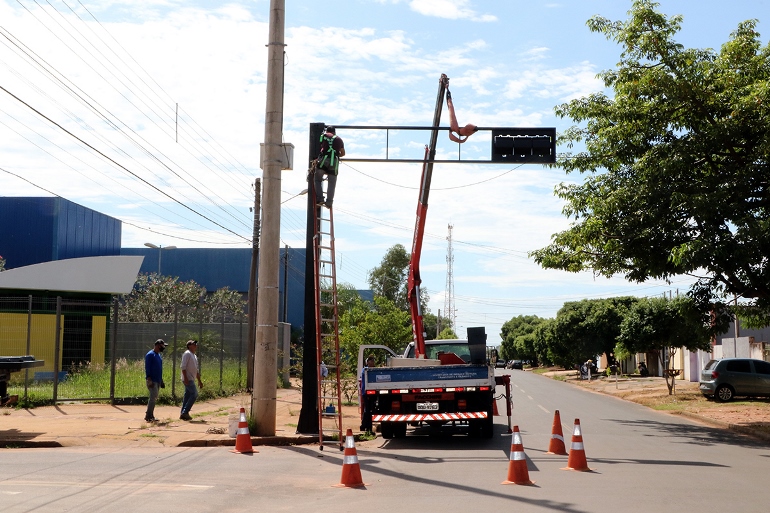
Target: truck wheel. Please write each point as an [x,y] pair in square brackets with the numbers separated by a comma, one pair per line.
[487,427]
[386,429]
[399,430]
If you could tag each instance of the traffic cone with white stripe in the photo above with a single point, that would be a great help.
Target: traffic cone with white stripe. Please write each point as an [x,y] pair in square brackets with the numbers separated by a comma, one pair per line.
[577,453]
[351,470]
[243,437]
[557,437]
[517,466]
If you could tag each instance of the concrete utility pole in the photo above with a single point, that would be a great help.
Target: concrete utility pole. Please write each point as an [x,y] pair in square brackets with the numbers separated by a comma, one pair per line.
[252,314]
[263,399]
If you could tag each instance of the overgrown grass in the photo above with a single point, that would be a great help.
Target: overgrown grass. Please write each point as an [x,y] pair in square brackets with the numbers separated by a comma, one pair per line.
[92,382]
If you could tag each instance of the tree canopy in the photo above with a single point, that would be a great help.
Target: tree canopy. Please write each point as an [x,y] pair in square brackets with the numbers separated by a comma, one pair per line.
[518,337]
[676,164]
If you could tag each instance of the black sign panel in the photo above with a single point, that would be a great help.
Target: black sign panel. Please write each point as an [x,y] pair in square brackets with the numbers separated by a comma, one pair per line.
[524,145]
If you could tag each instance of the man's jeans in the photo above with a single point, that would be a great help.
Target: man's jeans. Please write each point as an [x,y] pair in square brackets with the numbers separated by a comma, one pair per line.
[190,395]
[154,390]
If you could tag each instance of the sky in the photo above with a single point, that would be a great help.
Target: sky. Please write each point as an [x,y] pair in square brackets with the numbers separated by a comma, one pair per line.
[152,112]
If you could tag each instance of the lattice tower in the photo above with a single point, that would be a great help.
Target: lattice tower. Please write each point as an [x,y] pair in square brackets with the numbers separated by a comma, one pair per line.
[449,294]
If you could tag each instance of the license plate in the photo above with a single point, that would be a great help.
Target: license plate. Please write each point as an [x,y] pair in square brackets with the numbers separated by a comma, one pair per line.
[427,406]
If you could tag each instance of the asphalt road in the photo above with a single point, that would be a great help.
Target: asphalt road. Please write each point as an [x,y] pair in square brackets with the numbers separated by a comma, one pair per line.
[642,461]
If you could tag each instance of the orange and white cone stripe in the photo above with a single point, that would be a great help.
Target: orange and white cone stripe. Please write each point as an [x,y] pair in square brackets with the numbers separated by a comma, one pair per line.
[556,446]
[351,470]
[577,454]
[243,436]
[517,466]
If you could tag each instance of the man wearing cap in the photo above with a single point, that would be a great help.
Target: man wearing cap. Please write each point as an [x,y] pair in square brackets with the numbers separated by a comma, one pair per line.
[153,372]
[190,373]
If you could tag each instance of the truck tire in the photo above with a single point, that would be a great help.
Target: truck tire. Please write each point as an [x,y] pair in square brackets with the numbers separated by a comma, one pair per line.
[487,426]
[399,429]
[386,429]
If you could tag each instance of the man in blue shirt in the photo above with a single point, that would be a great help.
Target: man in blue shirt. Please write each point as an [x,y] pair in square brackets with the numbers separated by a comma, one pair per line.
[153,371]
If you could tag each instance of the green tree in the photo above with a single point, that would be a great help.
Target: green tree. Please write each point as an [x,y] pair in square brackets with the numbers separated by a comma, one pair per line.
[389,279]
[154,297]
[662,326]
[676,164]
[518,337]
[2,264]
[585,329]
[380,322]
[446,334]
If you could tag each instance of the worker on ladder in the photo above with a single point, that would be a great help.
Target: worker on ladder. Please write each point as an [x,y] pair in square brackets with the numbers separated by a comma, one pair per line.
[328,163]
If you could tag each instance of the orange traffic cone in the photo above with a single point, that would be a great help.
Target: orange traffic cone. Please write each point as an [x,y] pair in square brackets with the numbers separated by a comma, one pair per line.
[557,437]
[495,413]
[517,466]
[577,454]
[243,438]
[351,471]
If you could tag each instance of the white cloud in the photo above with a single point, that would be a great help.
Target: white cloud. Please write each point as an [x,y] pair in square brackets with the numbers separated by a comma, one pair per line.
[451,9]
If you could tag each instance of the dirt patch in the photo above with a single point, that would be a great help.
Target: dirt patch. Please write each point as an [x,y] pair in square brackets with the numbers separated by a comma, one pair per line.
[687,399]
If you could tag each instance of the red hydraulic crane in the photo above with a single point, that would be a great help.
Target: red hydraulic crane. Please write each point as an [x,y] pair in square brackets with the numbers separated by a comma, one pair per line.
[413,283]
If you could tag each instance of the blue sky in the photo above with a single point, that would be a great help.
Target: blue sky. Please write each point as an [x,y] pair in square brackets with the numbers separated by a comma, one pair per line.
[172,95]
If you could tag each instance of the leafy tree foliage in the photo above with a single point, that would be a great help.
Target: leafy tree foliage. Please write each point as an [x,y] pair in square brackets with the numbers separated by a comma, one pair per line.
[676,163]
[380,322]
[154,298]
[662,326]
[582,330]
[389,279]
[446,334]
[2,264]
[518,338]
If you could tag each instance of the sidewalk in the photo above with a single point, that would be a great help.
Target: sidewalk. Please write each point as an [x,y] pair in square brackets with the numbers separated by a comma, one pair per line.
[77,424]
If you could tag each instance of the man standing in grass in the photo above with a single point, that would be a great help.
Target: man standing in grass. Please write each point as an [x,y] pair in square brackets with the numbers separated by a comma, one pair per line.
[190,373]
[153,372]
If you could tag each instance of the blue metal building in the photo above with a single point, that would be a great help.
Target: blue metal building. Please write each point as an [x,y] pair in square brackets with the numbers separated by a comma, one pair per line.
[36,230]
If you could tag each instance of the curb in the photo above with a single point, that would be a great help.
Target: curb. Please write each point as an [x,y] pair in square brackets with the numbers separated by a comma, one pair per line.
[260,440]
[744,430]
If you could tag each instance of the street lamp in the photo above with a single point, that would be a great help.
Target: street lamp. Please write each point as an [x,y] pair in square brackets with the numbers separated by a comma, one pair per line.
[303,191]
[160,251]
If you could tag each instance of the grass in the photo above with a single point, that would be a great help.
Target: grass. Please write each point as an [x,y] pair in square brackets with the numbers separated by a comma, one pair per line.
[92,381]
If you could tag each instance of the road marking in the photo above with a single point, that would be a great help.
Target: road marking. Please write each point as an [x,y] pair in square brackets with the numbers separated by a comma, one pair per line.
[530,398]
[542,408]
[197,486]
[10,493]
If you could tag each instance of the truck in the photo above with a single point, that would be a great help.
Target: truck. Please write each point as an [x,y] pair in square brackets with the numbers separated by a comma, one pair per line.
[451,386]
[434,382]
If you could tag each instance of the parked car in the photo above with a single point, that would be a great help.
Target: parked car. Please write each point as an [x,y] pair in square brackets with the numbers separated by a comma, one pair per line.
[729,377]
[517,364]
[500,364]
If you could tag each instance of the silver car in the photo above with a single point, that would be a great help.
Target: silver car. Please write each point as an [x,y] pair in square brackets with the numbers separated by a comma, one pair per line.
[729,377]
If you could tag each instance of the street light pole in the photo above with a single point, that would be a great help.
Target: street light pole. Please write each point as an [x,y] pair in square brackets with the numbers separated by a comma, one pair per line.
[160,251]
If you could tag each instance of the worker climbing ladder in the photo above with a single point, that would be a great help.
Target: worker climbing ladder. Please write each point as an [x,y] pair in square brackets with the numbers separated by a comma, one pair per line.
[327,330]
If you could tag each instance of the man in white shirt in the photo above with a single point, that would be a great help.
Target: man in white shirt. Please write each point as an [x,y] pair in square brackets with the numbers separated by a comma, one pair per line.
[190,373]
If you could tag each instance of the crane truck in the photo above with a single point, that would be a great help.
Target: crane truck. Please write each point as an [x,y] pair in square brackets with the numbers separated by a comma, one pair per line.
[436,382]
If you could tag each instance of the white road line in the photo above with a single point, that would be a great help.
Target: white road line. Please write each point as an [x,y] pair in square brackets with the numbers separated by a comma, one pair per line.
[542,408]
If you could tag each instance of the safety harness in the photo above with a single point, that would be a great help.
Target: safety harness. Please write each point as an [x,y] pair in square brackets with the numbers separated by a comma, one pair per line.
[328,159]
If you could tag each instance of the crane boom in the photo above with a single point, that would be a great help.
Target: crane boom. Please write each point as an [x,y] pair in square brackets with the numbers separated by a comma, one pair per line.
[414,281]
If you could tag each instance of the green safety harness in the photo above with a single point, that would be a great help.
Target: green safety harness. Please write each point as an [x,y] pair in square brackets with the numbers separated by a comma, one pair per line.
[328,159]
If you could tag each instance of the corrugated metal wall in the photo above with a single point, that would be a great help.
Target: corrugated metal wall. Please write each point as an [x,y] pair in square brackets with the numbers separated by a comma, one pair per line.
[36,230]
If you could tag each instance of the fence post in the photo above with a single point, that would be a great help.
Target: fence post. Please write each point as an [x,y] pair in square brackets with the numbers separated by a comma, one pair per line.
[173,352]
[114,348]
[221,350]
[56,348]
[29,340]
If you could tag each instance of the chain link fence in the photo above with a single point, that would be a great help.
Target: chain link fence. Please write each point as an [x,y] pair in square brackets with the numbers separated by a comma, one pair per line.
[88,355]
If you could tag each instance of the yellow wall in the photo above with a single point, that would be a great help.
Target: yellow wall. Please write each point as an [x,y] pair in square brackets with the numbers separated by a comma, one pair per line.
[13,337]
